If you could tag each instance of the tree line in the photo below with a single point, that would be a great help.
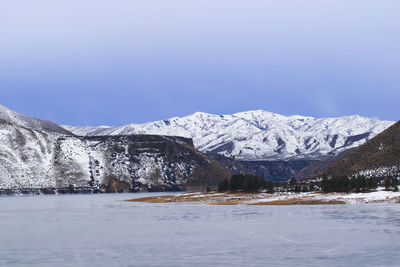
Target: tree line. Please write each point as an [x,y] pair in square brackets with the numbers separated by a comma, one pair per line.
[347,184]
[357,183]
[245,183]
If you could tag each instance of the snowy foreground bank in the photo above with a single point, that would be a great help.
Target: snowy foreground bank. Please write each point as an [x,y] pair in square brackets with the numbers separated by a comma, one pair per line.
[311,198]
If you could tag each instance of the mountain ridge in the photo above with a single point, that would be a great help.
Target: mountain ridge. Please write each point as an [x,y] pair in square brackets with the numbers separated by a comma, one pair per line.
[258,134]
[37,157]
[379,157]
[16,118]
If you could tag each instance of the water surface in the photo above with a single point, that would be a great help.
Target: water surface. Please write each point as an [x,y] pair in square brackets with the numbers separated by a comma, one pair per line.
[101,230]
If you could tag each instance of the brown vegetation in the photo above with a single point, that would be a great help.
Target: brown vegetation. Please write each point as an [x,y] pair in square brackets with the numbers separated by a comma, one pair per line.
[381,151]
[299,201]
[233,199]
[171,199]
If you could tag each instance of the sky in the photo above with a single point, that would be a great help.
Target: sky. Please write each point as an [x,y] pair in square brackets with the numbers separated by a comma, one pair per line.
[97,62]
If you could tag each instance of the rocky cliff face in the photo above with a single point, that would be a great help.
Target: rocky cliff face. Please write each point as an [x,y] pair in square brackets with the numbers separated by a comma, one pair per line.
[133,163]
[37,159]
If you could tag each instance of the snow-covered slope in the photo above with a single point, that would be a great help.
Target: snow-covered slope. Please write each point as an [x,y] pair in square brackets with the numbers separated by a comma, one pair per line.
[379,158]
[35,155]
[32,159]
[258,135]
[30,122]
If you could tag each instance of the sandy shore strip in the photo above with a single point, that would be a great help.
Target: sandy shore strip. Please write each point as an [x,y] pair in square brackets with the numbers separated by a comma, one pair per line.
[311,198]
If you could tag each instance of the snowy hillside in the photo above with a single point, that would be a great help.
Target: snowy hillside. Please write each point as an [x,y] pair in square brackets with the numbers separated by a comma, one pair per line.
[38,158]
[258,135]
[379,157]
[29,122]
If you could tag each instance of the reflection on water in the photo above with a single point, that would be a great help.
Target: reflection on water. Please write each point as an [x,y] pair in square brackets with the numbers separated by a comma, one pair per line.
[87,230]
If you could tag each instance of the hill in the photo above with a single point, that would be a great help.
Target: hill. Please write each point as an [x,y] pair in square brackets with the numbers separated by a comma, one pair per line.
[318,166]
[379,157]
[7,115]
[44,159]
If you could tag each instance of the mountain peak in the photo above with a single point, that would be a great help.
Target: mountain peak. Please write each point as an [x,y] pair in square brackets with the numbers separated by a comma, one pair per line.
[199,113]
[259,134]
[16,118]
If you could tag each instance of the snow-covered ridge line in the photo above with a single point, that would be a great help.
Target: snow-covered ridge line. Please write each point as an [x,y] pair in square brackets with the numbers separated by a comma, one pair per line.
[39,156]
[35,160]
[258,135]
[30,122]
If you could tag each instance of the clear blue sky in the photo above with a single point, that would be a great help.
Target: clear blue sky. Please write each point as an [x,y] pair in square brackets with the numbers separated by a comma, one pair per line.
[98,62]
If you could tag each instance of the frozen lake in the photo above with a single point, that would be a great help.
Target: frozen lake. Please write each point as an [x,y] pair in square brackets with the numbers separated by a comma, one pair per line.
[101,230]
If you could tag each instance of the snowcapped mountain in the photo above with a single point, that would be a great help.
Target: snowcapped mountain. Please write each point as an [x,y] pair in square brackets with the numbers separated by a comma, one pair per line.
[258,135]
[40,156]
[30,122]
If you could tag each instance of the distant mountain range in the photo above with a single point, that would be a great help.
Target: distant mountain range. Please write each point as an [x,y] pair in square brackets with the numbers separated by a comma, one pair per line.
[258,135]
[37,154]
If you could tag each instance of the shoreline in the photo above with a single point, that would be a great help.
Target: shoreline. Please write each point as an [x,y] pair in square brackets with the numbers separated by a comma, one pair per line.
[262,199]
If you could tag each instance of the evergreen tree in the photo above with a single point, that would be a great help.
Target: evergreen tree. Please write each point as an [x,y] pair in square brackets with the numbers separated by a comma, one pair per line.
[269,186]
[248,183]
[336,184]
[395,184]
[387,183]
[372,183]
[237,182]
[223,185]
[297,189]
[325,185]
